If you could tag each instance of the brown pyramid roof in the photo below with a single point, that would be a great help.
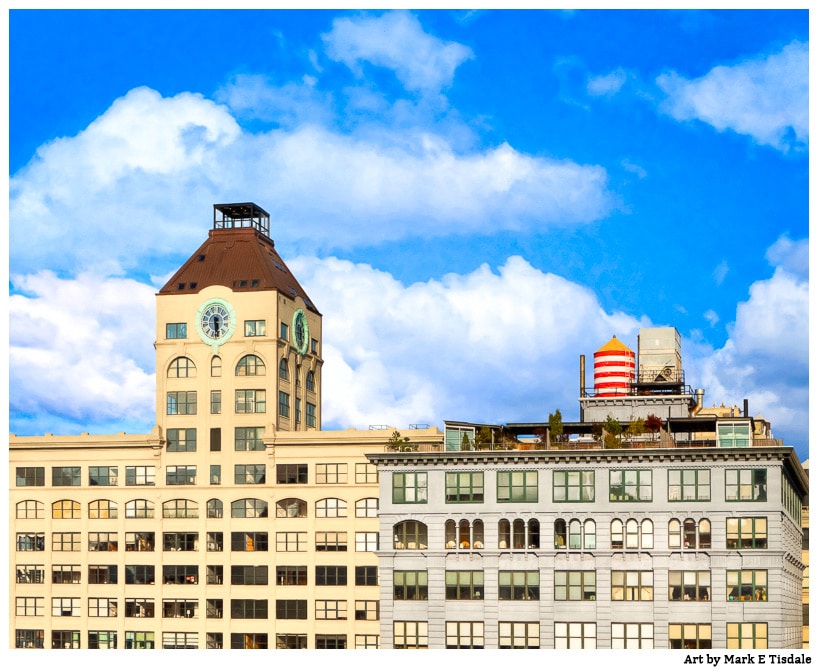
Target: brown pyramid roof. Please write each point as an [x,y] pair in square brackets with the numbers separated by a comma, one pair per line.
[243,259]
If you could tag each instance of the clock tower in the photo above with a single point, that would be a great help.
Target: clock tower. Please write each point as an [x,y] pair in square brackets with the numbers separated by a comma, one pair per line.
[238,341]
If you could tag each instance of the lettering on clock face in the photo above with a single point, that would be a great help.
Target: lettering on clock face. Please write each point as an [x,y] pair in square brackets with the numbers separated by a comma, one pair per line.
[216,322]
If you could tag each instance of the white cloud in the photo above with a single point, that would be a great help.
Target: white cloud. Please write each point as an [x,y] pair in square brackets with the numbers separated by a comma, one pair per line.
[80,350]
[397,41]
[721,271]
[791,255]
[712,317]
[766,97]
[607,85]
[151,157]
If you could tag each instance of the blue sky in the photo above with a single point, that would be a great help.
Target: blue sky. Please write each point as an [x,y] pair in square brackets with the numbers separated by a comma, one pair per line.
[472,199]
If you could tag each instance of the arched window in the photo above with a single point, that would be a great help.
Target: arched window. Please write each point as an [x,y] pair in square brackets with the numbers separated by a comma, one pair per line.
[617,534]
[330,508]
[182,367]
[647,533]
[139,508]
[215,508]
[366,508]
[250,365]
[704,533]
[30,508]
[533,533]
[560,533]
[248,508]
[283,369]
[464,535]
[310,381]
[589,533]
[574,534]
[689,533]
[216,366]
[520,534]
[66,508]
[291,508]
[180,508]
[411,535]
[631,534]
[102,508]
[674,534]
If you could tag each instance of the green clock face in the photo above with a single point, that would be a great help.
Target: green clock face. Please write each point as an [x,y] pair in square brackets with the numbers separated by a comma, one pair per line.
[215,322]
[301,331]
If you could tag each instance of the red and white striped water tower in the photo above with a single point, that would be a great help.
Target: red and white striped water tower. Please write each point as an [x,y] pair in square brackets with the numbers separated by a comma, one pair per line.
[614,369]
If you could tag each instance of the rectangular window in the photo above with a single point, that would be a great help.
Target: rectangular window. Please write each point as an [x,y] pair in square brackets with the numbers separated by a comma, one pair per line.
[215,402]
[103,476]
[181,440]
[333,473]
[248,438]
[214,608]
[215,640]
[310,414]
[747,636]
[367,642]
[284,331]
[688,485]
[249,474]
[182,403]
[631,635]
[139,541]
[366,541]
[411,585]
[65,639]
[747,585]
[255,328]
[251,401]
[31,606]
[688,586]
[30,541]
[65,574]
[251,609]
[575,585]
[330,541]
[367,610]
[180,475]
[32,574]
[288,641]
[314,346]
[464,585]
[745,485]
[690,635]
[140,475]
[366,575]
[215,474]
[66,541]
[464,635]
[102,639]
[30,477]
[574,635]
[65,606]
[180,574]
[733,434]
[28,639]
[180,541]
[102,541]
[248,541]
[140,575]
[519,585]
[291,575]
[632,586]
[284,404]
[517,486]
[180,640]
[215,541]
[139,640]
[746,533]
[249,575]
[519,635]
[65,476]
[291,541]
[464,486]
[139,608]
[631,485]
[176,330]
[291,473]
[101,607]
[214,575]
[102,574]
[410,634]
[409,487]
[291,609]
[574,486]
[366,472]
[330,610]
[330,575]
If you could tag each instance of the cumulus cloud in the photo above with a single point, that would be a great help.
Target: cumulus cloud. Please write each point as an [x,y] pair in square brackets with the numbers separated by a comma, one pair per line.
[766,97]
[80,352]
[396,41]
[607,85]
[323,188]
[712,317]
[791,255]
